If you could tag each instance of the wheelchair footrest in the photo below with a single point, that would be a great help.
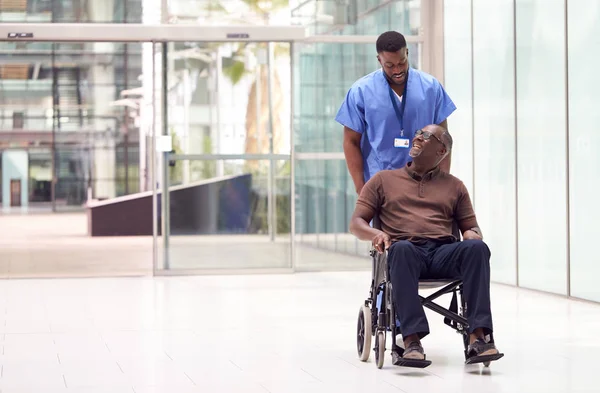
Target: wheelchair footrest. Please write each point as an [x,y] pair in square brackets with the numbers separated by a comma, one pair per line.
[398,360]
[484,358]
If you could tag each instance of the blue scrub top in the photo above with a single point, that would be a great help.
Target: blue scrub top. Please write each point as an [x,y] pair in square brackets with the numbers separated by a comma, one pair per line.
[368,110]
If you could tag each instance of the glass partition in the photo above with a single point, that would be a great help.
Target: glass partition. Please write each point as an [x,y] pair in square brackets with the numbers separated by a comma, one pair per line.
[72,11]
[323,73]
[361,17]
[542,162]
[494,145]
[325,195]
[237,220]
[325,199]
[459,85]
[75,106]
[229,170]
[69,143]
[584,171]
[223,97]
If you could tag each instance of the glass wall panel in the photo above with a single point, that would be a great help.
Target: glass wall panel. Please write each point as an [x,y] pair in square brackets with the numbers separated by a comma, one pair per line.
[72,11]
[325,201]
[494,136]
[222,221]
[95,127]
[458,84]
[69,123]
[220,98]
[226,12]
[361,17]
[80,102]
[584,144]
[323,75]
[541,145]
[325,195]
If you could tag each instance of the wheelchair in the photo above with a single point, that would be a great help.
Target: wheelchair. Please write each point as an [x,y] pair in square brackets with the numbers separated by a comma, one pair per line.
[375,320]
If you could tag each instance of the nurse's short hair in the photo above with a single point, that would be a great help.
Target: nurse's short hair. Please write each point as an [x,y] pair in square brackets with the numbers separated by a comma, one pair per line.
[390,41]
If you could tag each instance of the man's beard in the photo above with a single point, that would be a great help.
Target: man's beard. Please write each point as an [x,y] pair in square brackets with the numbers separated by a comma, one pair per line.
[394,81]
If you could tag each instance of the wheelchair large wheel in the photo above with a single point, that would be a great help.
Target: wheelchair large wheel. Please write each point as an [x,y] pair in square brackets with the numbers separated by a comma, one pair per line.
[364,331]
[380,349]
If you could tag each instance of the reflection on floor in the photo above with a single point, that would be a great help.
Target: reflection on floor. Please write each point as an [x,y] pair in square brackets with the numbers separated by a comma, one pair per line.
[57,245]
[268,334]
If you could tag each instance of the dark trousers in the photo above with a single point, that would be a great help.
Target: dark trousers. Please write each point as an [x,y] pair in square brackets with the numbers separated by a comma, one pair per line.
[468,260]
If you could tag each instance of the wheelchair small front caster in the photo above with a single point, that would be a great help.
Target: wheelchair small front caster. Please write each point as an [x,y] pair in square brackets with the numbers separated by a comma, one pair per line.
[486,364]
[380,349]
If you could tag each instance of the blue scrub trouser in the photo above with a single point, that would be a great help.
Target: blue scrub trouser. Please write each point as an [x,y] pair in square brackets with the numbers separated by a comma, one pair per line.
[468,260]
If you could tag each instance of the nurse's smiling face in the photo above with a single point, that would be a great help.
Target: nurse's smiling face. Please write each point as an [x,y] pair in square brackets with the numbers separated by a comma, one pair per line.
[395,65]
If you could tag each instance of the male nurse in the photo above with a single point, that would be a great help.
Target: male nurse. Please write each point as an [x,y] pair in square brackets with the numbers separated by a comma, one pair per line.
[383,110]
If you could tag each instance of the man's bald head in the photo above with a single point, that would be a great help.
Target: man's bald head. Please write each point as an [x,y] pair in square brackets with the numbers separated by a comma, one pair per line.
[441,133]
[431,145]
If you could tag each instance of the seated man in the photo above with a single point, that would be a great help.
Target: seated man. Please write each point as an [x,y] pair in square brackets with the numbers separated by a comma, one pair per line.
[417,206]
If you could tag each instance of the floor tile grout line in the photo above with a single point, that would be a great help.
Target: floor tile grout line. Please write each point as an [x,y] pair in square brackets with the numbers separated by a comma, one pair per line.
[346,361]
[190,378]
[310,374]
[65,381]
[58,357]
[264,387]
[120,368]
[232,362]
[432,373]
[394,386]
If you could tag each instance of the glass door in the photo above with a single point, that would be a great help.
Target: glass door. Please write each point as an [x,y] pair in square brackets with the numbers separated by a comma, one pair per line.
[228,173]
[70,132]
[136,116]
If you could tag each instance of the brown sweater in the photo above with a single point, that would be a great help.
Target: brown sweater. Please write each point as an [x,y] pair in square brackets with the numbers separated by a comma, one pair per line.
[414,208]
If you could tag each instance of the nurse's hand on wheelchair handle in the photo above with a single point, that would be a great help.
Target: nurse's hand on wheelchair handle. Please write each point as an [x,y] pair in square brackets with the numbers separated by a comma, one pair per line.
[381,242]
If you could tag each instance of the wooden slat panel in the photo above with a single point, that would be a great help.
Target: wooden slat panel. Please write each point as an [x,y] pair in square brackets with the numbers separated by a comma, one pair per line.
[13,5]
[14,71]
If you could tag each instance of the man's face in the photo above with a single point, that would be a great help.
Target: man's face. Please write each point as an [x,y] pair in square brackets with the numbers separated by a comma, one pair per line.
[395,65]
[428,145]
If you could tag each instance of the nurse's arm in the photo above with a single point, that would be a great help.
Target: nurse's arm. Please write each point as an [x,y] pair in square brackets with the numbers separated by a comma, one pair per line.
[445,164]
[354,158]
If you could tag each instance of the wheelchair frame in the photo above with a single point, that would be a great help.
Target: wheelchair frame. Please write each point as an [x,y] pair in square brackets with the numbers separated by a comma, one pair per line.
[374,322]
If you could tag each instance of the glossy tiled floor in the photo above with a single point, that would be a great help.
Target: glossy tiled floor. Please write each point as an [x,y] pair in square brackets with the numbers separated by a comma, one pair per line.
[267,333]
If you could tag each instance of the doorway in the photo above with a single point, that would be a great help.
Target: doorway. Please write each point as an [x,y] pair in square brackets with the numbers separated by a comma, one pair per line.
[105,107]
[15,192]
